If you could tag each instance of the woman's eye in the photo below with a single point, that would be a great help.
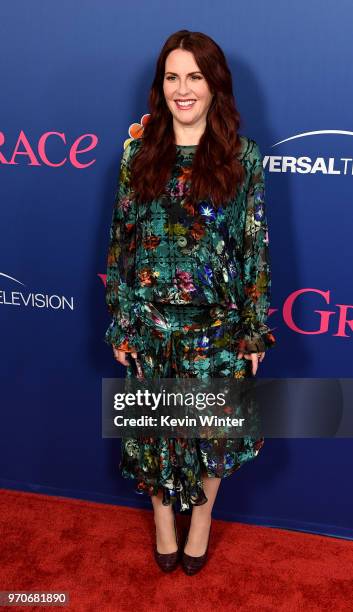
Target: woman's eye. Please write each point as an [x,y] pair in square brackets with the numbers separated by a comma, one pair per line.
[169,78]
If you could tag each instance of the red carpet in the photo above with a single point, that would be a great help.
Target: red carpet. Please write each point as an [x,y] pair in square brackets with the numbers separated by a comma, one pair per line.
[102,556]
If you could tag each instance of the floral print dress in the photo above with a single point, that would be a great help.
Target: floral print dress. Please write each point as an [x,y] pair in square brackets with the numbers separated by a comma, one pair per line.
[188,287]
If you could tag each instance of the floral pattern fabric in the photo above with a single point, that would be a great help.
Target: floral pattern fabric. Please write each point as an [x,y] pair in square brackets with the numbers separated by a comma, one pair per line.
[188,286]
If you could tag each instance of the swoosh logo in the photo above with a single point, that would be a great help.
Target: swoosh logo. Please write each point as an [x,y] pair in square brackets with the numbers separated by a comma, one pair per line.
[303,134]
[11,278]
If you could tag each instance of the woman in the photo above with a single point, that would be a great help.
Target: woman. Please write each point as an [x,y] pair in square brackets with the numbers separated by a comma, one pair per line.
[188,277]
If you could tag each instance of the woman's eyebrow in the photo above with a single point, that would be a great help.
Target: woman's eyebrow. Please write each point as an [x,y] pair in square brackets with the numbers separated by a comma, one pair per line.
[176,74]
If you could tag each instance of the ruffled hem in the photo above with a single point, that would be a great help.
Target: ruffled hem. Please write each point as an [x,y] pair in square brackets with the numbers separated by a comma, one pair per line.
[153,467]
[177,495]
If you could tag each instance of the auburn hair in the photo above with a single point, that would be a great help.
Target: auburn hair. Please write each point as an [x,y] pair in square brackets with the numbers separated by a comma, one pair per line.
[216,172]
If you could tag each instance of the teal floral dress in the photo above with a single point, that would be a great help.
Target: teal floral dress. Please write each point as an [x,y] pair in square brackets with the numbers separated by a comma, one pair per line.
[188,287]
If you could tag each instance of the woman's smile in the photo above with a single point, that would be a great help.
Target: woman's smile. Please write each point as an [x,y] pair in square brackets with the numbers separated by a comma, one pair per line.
[185,104]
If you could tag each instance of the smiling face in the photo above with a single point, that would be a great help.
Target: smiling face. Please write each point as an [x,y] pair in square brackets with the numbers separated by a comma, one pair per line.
[186,91]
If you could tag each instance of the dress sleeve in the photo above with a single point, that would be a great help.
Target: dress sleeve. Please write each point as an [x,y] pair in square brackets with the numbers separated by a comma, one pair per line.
[119,295]
[255,336]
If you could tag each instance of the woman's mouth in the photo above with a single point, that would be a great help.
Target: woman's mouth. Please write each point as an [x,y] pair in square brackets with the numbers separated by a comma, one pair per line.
[184,104]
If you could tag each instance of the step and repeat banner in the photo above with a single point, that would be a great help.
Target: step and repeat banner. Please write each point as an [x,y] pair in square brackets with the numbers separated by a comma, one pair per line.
[75,79]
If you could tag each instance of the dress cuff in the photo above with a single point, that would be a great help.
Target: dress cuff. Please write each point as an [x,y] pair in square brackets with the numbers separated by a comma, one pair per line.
[125,337]
[255,340]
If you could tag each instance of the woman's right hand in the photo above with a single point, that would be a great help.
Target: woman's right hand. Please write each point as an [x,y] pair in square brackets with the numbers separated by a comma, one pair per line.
[121,356]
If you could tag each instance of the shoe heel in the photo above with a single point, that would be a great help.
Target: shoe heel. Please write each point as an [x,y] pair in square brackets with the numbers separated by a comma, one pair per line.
[191,565]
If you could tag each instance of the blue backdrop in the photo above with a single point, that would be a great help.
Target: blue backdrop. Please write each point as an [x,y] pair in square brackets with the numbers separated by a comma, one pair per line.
[74,78]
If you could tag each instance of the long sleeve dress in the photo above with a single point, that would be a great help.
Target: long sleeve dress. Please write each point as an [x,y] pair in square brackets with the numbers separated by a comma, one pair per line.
[188,287]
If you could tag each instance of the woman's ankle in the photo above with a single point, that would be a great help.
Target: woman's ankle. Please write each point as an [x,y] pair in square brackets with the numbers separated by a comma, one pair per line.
[165,532]
[201,515]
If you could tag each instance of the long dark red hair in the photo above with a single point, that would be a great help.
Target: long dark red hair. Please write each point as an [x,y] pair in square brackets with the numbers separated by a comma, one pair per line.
[216,172]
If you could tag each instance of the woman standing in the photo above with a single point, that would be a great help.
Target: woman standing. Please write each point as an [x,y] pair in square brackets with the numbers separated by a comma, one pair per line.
[188,276]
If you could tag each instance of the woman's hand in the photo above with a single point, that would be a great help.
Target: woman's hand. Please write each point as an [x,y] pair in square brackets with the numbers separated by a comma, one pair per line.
[256,358]
[121,356]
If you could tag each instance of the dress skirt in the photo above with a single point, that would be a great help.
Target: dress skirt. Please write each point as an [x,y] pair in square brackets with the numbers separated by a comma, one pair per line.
[183,340]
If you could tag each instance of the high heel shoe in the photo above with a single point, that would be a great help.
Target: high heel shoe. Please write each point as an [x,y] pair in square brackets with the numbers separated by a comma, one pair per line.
[168,561]
[191,565]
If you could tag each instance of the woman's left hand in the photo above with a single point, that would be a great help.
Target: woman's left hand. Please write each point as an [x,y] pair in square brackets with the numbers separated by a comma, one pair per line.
[256,358]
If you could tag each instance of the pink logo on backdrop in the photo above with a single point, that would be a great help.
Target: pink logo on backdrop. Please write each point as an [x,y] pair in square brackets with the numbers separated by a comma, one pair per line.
[340,316]
[72,151]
